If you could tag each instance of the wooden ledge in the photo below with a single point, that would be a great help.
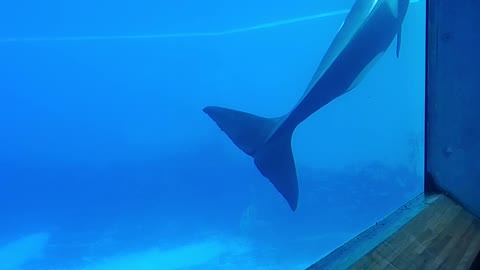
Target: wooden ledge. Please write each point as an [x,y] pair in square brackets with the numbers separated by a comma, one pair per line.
[429,232]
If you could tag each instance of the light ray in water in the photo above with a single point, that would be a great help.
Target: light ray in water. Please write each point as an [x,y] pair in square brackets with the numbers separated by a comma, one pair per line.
[181,35]
[177,35]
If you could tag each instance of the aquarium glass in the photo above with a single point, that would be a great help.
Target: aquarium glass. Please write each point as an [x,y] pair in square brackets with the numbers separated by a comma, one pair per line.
[108,160]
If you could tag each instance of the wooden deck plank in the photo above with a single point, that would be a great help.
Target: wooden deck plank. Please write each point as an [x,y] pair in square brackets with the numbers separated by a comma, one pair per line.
[440,234]
[354,250]
[443,236]
[462,223]
[472,251]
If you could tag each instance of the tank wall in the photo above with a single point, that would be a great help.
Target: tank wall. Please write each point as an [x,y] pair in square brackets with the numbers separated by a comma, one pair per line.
[453,130]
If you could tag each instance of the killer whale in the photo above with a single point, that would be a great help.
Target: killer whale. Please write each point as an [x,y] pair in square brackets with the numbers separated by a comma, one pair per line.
[367,32]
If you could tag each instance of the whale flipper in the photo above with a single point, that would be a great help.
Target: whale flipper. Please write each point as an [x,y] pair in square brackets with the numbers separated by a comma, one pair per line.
[399,41]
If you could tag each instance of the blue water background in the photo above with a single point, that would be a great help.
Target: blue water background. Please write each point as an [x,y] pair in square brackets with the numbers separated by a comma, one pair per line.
[105,150]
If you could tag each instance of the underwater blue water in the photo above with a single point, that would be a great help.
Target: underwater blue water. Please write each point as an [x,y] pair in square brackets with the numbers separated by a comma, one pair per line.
[108,162]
